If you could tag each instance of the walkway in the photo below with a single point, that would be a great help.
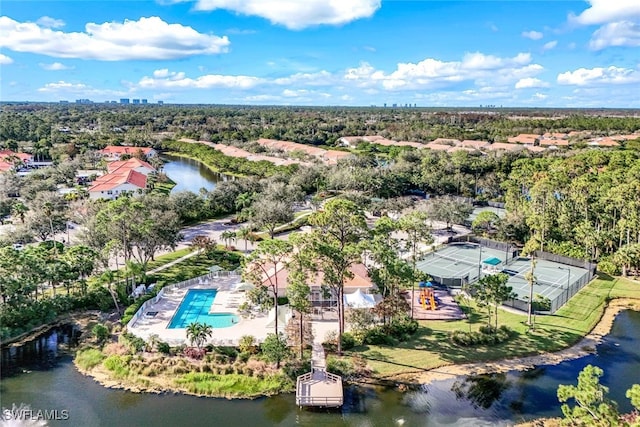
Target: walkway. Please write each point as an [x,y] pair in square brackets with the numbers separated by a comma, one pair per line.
[319,387]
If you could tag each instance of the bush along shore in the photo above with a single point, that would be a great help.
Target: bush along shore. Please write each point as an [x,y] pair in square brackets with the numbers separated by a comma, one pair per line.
[120,360]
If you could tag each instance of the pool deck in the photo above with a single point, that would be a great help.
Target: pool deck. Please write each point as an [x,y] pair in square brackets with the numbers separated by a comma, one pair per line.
[227,300]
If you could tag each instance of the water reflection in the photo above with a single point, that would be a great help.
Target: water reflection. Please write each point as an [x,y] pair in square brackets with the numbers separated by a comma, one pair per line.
[191,175]
[481,390]
[40,353]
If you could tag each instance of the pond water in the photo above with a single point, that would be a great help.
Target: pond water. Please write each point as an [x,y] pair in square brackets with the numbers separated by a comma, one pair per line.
[191,175]
[47,380]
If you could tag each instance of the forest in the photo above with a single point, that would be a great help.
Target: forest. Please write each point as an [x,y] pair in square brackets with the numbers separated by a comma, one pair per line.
[579,201]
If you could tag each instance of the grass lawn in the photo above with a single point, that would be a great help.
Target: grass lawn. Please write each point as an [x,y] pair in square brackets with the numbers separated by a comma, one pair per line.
[430,347]
[194,266]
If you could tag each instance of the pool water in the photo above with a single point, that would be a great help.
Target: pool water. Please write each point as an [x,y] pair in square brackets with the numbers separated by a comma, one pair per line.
[195,308]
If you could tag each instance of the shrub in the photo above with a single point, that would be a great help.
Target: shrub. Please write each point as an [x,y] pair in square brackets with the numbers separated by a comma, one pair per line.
[89,358]
[194,353]
[133,343]
[247,344]
[118,365]
[163,347]
[487,335]
[101,332]
[378,336]
[348,341]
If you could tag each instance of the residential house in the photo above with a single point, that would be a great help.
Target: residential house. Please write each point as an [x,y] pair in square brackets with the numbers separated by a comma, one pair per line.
[121,181]
[603,142]
[525,138]
[10,160]
[437,147]
[476,145]
[360,281]
[113,153]
[133,164]
[504,146]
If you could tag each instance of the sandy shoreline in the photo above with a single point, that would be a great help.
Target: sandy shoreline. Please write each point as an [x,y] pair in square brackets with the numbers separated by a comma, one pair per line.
[585,346]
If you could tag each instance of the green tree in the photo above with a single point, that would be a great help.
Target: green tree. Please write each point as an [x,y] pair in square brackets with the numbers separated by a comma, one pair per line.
[490,292]
[263,265]
[485,222]
[334,244]
[592,407]
[449,210]
[274,348]
[269,214]
[300,269]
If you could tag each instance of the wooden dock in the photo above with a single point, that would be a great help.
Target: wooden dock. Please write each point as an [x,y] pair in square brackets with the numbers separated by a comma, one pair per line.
[319,388]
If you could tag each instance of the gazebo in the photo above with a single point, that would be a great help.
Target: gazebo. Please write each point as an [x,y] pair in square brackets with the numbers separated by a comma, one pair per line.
[491,265]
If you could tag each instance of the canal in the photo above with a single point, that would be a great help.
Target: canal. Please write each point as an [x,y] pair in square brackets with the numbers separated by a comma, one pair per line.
[42,376]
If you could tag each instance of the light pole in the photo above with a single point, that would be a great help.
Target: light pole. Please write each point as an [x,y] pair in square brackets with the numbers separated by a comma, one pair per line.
[480,264]
[568,281]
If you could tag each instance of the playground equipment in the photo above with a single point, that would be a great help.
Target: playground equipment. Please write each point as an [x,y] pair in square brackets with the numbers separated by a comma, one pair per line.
[427,297]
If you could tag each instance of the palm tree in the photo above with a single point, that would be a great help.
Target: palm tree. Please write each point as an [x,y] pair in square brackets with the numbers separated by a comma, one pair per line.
[108,278]
[244,233]
[19,209]
[228,236]
[197,333]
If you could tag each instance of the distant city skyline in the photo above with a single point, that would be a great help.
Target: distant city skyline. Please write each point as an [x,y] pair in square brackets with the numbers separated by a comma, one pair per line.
[565,54]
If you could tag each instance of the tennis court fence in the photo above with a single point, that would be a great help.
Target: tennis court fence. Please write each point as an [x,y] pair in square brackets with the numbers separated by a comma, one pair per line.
[509,250]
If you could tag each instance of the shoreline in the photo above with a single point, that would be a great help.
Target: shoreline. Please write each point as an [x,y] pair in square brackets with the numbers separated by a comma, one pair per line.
[586,345]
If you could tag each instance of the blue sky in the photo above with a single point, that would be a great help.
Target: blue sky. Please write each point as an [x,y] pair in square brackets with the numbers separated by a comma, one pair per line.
[324,52]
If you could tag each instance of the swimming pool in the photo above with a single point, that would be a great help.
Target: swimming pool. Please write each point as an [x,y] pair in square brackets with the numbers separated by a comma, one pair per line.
[195,308]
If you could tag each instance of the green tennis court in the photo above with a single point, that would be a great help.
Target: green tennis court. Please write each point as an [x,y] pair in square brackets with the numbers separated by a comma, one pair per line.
[460,263]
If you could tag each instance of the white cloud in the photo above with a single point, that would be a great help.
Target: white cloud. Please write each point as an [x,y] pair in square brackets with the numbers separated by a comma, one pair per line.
[484,69]
[529,82]
[602,11]
[145,39]
[5,60]
[56,66]
[533,35]
[49,22]
[550,45]
[622,33]
[540,96]
[165,79]
[321,78]
[298,14]
[599,76]
[66,88]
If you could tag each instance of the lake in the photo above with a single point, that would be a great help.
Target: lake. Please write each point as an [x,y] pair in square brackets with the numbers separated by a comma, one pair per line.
[191,175]
[47,380]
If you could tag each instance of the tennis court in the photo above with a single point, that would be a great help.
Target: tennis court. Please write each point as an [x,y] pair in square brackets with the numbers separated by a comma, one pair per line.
[552,279]
[460,263]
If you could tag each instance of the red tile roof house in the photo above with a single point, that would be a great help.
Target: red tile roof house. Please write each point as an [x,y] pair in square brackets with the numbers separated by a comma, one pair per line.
[525,138]
[504,146]
[603,142]
[477,145]
[133,164]
[8,159]
[115,152]
[121,181]
[320,302]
